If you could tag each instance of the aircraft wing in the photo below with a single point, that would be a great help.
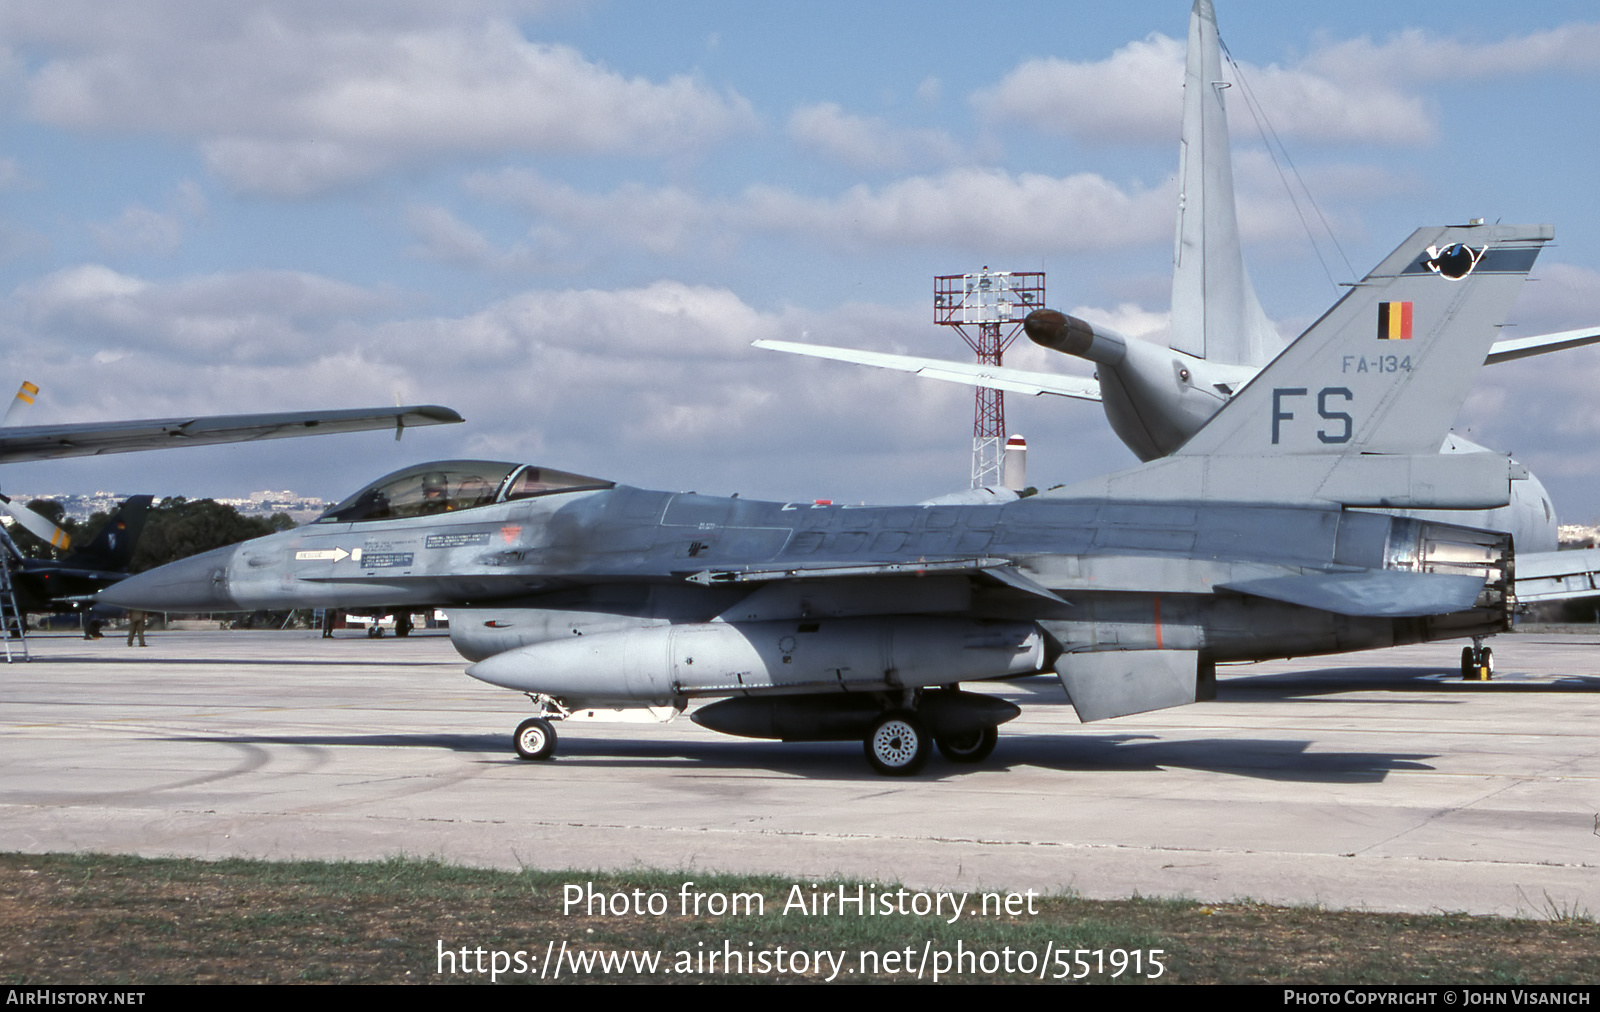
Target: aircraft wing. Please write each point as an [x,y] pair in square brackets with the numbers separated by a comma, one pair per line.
[995,377]
[1539,344]
[86,439]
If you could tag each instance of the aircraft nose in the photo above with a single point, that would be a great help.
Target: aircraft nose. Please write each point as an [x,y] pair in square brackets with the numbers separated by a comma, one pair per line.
[198,583]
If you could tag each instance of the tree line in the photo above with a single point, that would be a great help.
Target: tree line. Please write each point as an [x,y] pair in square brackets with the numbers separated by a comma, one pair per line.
[176,528]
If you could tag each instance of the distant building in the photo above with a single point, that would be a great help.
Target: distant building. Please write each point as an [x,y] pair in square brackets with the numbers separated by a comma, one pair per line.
[1578,535]
[301,508]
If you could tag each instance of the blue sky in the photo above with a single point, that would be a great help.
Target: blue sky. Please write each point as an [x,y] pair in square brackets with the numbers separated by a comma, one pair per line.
[568,220]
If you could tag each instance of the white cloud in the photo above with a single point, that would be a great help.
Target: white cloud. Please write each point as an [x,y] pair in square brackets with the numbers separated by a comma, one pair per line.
[1129,319]
[1355,90]
[1543,409]
[866,142]
[253,316]
[986,208]
[1023,213]
[1415,55]
[286,102]
[1558,296]
[1134,95]
[442,236]
[139,230]
[655,384]
[663,220]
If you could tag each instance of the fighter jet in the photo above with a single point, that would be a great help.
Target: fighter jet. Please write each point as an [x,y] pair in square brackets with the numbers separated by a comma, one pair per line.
[1156,398]
[807,622]
[69,584]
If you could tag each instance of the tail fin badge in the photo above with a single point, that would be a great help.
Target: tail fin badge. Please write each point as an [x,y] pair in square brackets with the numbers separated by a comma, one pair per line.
[1453,262]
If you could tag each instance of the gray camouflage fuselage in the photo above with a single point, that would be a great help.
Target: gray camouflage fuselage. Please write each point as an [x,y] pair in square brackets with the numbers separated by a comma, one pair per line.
[1124,576]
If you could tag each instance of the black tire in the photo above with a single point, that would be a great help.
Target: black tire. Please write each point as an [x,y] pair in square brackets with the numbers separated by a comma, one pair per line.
[897,745]
[1469,669]
[535,739]
[971,748]
[1488,663]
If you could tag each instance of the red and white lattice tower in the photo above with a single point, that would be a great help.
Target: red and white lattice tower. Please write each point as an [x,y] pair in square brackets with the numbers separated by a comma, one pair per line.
[994,304]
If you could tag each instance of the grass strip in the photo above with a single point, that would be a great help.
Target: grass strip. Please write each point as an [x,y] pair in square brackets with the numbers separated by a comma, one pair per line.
[102,919]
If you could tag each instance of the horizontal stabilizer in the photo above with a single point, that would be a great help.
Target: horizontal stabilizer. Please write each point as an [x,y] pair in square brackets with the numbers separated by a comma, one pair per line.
[1558,576]
[1461,481]
[995,377]
[1539,344]
[1118,682]
[1378,593]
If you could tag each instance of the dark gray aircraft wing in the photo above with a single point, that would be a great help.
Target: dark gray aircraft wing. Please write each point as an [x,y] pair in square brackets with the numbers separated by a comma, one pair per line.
[86,439]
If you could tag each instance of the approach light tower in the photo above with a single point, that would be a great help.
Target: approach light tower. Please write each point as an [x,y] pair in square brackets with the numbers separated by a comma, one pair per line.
[995,303]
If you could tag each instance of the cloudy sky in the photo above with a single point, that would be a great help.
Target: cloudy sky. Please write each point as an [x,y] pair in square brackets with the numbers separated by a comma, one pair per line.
[568,219]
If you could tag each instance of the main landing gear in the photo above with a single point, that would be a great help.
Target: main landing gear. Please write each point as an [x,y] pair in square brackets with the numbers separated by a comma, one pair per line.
[1477,662]
[899,744]
[898,731]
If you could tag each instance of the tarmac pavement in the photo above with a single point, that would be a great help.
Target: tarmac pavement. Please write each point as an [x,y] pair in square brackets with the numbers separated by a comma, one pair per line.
[1368,781]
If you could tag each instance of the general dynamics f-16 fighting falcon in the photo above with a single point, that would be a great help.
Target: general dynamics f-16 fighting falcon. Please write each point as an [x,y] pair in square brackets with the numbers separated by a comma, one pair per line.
[818,622]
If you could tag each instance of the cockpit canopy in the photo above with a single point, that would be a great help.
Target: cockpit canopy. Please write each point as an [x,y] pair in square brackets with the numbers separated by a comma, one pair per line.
[446,486]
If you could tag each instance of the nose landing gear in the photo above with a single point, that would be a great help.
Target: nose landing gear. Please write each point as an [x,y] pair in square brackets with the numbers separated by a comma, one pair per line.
[535,739]
[1477,662]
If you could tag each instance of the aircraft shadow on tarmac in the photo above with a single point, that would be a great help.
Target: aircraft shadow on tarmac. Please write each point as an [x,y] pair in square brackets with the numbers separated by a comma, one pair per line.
[1276,759]
[1292,685]
[1075,750]
[1086,749]
[260,662]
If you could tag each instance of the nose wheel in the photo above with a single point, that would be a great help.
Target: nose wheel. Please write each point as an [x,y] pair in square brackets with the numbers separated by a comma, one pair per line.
[1477,663]
[535,739]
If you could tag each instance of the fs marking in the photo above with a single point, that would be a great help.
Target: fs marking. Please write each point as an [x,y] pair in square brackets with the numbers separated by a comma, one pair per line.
[1324,410]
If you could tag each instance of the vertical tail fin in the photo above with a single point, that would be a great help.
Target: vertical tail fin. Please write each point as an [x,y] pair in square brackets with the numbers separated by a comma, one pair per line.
[1388,367]
[112,548]
[1215,313]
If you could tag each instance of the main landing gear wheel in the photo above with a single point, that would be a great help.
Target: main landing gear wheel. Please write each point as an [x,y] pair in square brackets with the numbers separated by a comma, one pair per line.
[897,745]
[535,739]
[1477,664]
[969,748]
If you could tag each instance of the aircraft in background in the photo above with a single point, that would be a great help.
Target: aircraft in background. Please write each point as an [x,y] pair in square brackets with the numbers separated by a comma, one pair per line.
[1157,398]
[69,584]
[1253,540]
